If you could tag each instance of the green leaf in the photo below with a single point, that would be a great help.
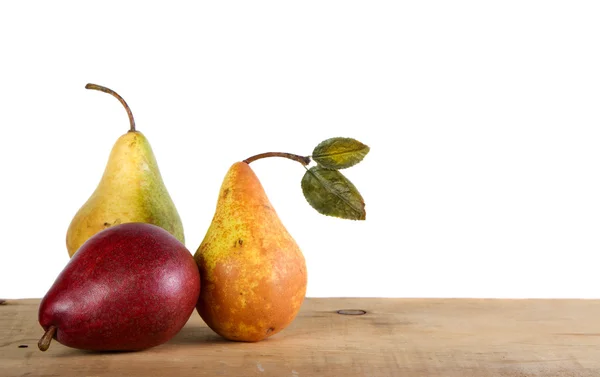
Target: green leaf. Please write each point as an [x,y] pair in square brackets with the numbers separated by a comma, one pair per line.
[332,194]
[339,153]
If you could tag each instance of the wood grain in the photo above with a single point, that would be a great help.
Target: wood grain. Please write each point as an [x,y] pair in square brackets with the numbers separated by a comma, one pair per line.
[396,337]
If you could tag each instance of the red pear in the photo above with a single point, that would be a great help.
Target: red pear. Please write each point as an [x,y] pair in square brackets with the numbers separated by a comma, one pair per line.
[130,287]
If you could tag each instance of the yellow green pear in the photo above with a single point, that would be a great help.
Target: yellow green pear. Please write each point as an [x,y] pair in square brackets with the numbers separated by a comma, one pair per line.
[253,274]
[131,190]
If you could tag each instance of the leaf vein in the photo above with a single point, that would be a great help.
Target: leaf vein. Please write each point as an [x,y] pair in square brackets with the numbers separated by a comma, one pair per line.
[339,153]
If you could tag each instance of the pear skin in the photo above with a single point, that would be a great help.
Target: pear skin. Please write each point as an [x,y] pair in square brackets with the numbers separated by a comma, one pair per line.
[253,274]
[131,190]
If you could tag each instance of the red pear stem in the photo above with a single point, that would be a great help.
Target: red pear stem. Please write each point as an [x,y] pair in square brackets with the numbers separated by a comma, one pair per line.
[44,342]
[301,159]
[114,94]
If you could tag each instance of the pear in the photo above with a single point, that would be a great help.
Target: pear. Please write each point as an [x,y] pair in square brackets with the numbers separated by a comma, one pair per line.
[130,287]
[131,190]
[253,274]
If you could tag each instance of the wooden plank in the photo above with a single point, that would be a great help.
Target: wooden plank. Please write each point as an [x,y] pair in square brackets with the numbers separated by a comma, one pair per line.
[396,337]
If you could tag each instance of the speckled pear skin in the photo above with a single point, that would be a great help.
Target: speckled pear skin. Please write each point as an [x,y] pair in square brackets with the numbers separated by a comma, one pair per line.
[253,274]
[131,190]
[130,287]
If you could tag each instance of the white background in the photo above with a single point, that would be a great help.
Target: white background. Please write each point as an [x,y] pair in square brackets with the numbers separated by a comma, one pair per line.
[483,120]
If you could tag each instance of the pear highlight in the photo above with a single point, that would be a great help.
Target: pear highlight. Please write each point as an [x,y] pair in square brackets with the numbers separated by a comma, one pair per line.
[130,190]
[253,274]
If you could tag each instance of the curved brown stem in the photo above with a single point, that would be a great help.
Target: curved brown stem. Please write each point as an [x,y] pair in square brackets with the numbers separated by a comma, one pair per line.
[114,94]
[301,159]
[44,342]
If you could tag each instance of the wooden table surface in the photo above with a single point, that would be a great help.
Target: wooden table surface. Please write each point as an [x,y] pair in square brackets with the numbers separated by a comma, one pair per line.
[396,337]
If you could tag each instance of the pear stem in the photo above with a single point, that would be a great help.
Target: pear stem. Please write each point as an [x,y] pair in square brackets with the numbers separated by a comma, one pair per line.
[114,94]
[301,159]
[44,342]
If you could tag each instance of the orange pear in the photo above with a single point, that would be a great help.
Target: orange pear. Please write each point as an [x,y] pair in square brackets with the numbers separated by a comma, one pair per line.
[253,274]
